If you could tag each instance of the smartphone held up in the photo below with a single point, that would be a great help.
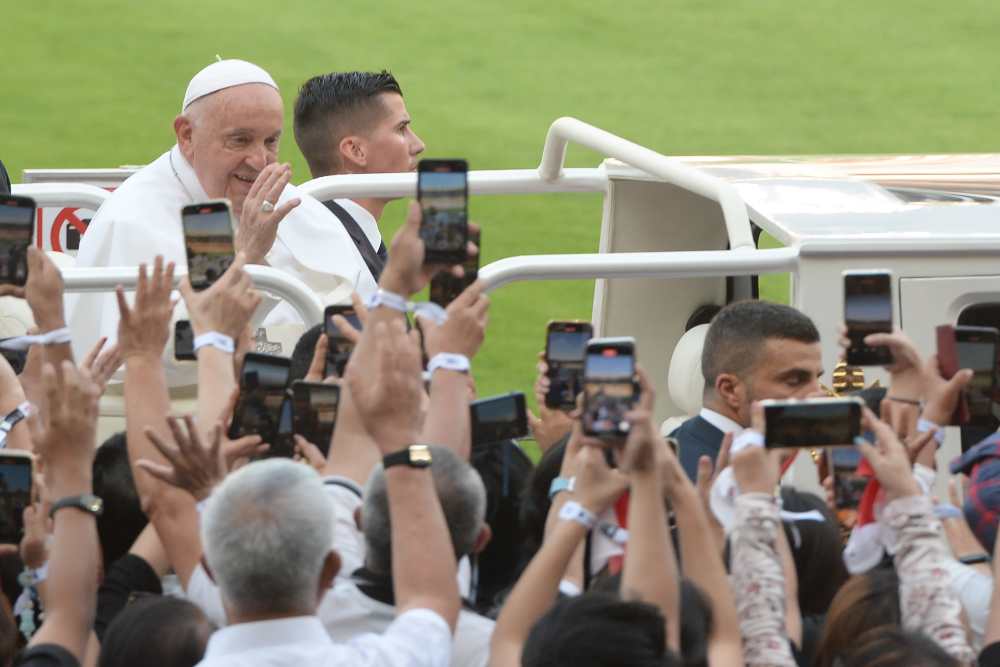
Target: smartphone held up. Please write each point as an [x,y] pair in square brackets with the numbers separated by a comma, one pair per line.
[565,349]
[17,224]
[443,194]
[610,389]
[867,310]
[208,241]
[812,422]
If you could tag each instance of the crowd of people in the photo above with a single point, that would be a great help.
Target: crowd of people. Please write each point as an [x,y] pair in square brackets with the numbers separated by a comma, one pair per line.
[172,545]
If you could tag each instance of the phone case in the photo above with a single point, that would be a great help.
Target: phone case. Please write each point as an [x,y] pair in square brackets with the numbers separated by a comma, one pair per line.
[947,353]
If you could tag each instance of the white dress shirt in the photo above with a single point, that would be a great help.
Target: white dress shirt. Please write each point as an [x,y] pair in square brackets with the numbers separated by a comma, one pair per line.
[142,219]
[721,422]
[418,638]
[347,613]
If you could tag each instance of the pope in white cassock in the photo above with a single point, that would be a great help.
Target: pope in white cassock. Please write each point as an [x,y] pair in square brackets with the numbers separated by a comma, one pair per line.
[228,135]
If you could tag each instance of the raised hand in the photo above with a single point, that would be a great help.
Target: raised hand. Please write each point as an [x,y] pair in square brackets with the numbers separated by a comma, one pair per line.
[34,546]
[193,467]
[405,273]
[260,217]
[464,330]
[388,395]
[64,433]
[143,329]
[226,306]
[756,469]
[888,458]
[102,363]
[44,291]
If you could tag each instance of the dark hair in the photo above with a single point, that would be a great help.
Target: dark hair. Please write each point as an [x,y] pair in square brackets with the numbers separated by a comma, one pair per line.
[536,503]
[896,648]
[330,107]
[123,518]
[156,632]
[9,636]
[696,625]
[598,629]
[816,550]
[738,333]
[865,602]
[504,497]
[302,355]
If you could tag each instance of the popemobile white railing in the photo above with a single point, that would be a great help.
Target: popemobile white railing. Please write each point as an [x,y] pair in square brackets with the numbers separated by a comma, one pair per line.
[550,177]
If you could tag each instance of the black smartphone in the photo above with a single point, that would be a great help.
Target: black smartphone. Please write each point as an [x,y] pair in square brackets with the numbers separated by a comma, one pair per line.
[17,225]
[867,310]
[565,348]
[499,418]
[263,388]
[314,412]
[443,193]
[16,358]
[338,350]
[445,287]
[16,475]
[183,341]
[208,241]
[609,386]
[812,422]
[977,350]
[848,485]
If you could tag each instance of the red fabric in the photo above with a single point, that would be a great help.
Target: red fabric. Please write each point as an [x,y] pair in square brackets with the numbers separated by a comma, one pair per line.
[866,508]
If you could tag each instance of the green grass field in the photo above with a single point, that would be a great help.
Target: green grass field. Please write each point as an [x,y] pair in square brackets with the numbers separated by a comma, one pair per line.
[97,84]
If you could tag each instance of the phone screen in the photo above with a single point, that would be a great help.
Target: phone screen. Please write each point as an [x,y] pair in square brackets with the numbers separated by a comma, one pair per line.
[445,287]
[262,392]
[977,350]
[867,310]
[565,348]
[208,241]
[820,423]
[183,341]
[498,419]
[17,217]
[314,409]
[442,189]
[338,351]
[848,485]
[15,496]
[608,389]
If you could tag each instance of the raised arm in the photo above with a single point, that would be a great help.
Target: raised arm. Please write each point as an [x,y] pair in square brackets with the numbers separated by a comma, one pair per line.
[595,487]
[448,420]
[650,571]
[65,435]
[388,397]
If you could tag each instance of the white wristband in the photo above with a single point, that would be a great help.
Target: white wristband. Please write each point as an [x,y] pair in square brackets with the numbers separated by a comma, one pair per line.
[747,438]
[449,362]
[427,309]
[574,511]
[924,425]
[215,339]
[54,337]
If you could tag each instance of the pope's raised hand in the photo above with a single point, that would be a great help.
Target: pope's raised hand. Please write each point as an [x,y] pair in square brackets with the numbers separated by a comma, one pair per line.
[259,219]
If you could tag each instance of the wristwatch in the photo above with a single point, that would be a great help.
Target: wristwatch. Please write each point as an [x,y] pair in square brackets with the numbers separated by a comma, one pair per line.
[415,456]
[87,502]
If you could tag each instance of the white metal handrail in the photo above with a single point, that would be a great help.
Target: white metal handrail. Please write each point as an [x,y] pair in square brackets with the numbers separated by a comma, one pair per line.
[62,194]
[266,278]
[483,182]
[682,264]
[564,130]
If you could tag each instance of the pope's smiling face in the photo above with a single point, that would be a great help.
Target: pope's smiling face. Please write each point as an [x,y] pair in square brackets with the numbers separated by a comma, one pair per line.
[229,137]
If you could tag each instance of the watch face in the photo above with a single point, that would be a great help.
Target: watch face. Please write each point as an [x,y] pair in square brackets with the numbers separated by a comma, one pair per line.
[420,456]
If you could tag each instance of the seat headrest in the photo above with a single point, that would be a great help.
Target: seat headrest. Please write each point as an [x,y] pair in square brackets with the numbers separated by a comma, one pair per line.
[684,379]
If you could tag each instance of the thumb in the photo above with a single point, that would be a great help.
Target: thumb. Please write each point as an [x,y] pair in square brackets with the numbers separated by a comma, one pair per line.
[705,469]
[961,378]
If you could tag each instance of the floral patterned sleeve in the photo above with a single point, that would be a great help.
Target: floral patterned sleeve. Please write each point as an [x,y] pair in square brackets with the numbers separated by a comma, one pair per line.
[926,602]
[758,581]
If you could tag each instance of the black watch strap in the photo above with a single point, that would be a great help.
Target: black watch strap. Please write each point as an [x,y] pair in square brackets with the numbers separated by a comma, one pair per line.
[87,502]
[974,559]
[414,456]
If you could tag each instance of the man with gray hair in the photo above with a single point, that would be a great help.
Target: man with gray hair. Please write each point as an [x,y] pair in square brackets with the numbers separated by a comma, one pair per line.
[365,603]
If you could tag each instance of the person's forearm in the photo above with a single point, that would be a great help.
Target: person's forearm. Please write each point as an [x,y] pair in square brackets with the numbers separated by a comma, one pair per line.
[216,383]
[11,396]
[928,604]
[701,562]
[423,559]
[353,454]
[72,579]
[650,570]
[793,616]
[534,593]
[448,421]
[758,581]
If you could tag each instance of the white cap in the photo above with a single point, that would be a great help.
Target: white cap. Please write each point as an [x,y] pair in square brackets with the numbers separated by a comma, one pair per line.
[224,74]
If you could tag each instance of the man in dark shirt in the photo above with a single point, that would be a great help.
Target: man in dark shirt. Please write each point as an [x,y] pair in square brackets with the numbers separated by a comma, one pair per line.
[753,350]
[356,123]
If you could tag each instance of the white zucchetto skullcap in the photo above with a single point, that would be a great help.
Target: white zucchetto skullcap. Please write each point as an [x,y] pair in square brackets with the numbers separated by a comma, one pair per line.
[224,74]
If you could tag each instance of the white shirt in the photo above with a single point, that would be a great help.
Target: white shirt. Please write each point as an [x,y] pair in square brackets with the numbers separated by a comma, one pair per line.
[417,638]
[349,613]
[721,422]
[141,220]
